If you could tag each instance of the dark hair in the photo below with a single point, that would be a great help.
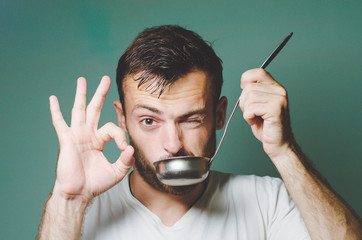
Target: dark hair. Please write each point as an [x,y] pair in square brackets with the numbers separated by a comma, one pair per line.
[161,55]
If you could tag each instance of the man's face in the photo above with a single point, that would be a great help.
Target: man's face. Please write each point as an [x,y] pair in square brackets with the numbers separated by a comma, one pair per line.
[179,122]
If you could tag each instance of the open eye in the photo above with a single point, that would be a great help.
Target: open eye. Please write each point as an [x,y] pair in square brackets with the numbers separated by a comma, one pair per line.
[148,122]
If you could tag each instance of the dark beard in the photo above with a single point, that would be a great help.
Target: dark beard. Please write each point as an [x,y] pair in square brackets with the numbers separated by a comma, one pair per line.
[148,173]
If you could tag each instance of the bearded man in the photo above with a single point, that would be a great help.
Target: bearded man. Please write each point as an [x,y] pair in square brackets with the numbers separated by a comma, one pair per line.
[169,82]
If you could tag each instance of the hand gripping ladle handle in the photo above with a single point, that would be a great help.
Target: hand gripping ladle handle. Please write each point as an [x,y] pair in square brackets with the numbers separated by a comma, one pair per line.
[263,66]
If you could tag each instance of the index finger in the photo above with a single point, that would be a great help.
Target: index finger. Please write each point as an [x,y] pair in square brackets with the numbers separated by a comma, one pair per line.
[257,75]
[94,108]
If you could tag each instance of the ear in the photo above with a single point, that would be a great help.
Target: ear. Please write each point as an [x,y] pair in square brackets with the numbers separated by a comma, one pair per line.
[221,113]
[120,115]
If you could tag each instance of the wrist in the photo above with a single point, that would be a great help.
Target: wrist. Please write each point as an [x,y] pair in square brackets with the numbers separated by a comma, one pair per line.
[74,201]
[67,206]
[69,193]
[288,156]
[63,217]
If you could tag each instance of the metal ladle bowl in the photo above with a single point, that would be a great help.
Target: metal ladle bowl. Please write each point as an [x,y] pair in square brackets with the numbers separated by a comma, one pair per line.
[181,171]
[188,170]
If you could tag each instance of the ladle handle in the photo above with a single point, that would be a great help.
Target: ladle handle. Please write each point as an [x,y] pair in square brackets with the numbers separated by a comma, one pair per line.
[264,65]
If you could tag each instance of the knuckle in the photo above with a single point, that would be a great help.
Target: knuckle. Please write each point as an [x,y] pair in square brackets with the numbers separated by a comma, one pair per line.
[245,76]
[247,73]
[241,104]
[260,72]
[285,104]
[281,104]
[253,75]
[245,115]
[108,124]
[283,91]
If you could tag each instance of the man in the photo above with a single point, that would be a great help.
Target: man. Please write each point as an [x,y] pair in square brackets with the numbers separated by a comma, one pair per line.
[169,82]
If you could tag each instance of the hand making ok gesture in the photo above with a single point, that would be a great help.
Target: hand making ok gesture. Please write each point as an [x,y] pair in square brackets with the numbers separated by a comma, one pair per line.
[82,168]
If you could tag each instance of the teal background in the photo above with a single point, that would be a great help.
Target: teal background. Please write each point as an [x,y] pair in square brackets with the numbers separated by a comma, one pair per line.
[46,45]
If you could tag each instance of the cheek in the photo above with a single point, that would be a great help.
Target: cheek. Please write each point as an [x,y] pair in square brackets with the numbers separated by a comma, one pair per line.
[148,143]
[196,140]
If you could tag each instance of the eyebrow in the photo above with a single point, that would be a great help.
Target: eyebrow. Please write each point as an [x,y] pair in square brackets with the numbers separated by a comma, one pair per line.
[201,111]
[194,112]
[149,108]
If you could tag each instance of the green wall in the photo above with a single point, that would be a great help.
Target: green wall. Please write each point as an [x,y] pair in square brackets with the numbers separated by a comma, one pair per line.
[46,45]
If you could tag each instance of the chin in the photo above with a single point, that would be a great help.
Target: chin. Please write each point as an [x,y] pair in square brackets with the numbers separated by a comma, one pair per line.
[148,174]
[147,171]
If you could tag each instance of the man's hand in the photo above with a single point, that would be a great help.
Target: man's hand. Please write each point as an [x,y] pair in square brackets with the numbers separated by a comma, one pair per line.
[82,170]
[265,107]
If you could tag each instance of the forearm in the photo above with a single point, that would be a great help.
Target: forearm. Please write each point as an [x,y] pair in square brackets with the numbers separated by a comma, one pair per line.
[62,218]
[325,214]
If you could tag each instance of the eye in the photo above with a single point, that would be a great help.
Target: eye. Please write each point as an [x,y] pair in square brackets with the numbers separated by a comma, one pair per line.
[148,121]
[193,122]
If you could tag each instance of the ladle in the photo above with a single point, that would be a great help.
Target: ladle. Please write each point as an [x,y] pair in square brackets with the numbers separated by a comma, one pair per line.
[188,170]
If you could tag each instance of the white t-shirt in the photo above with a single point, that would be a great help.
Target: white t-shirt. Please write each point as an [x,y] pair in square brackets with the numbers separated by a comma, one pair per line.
[232,207]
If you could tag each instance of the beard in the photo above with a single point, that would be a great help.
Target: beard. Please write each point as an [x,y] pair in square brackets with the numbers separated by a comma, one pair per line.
[148,173]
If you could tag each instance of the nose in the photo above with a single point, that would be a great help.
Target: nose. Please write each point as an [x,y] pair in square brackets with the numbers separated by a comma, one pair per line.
[172,139]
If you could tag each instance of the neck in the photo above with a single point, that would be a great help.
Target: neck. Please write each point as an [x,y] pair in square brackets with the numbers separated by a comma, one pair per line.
[168,207]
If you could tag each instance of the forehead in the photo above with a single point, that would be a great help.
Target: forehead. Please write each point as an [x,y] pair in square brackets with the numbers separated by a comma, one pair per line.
[193,87]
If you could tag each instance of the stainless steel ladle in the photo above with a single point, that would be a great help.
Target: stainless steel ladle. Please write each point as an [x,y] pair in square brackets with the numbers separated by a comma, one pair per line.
[188,170]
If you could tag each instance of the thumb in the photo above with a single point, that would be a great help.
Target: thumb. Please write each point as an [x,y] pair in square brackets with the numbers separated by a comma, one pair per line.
[124,163]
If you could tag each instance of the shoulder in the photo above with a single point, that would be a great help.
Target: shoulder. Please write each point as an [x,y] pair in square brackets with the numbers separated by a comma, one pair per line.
[267,192]
[245,182]
[261,202]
